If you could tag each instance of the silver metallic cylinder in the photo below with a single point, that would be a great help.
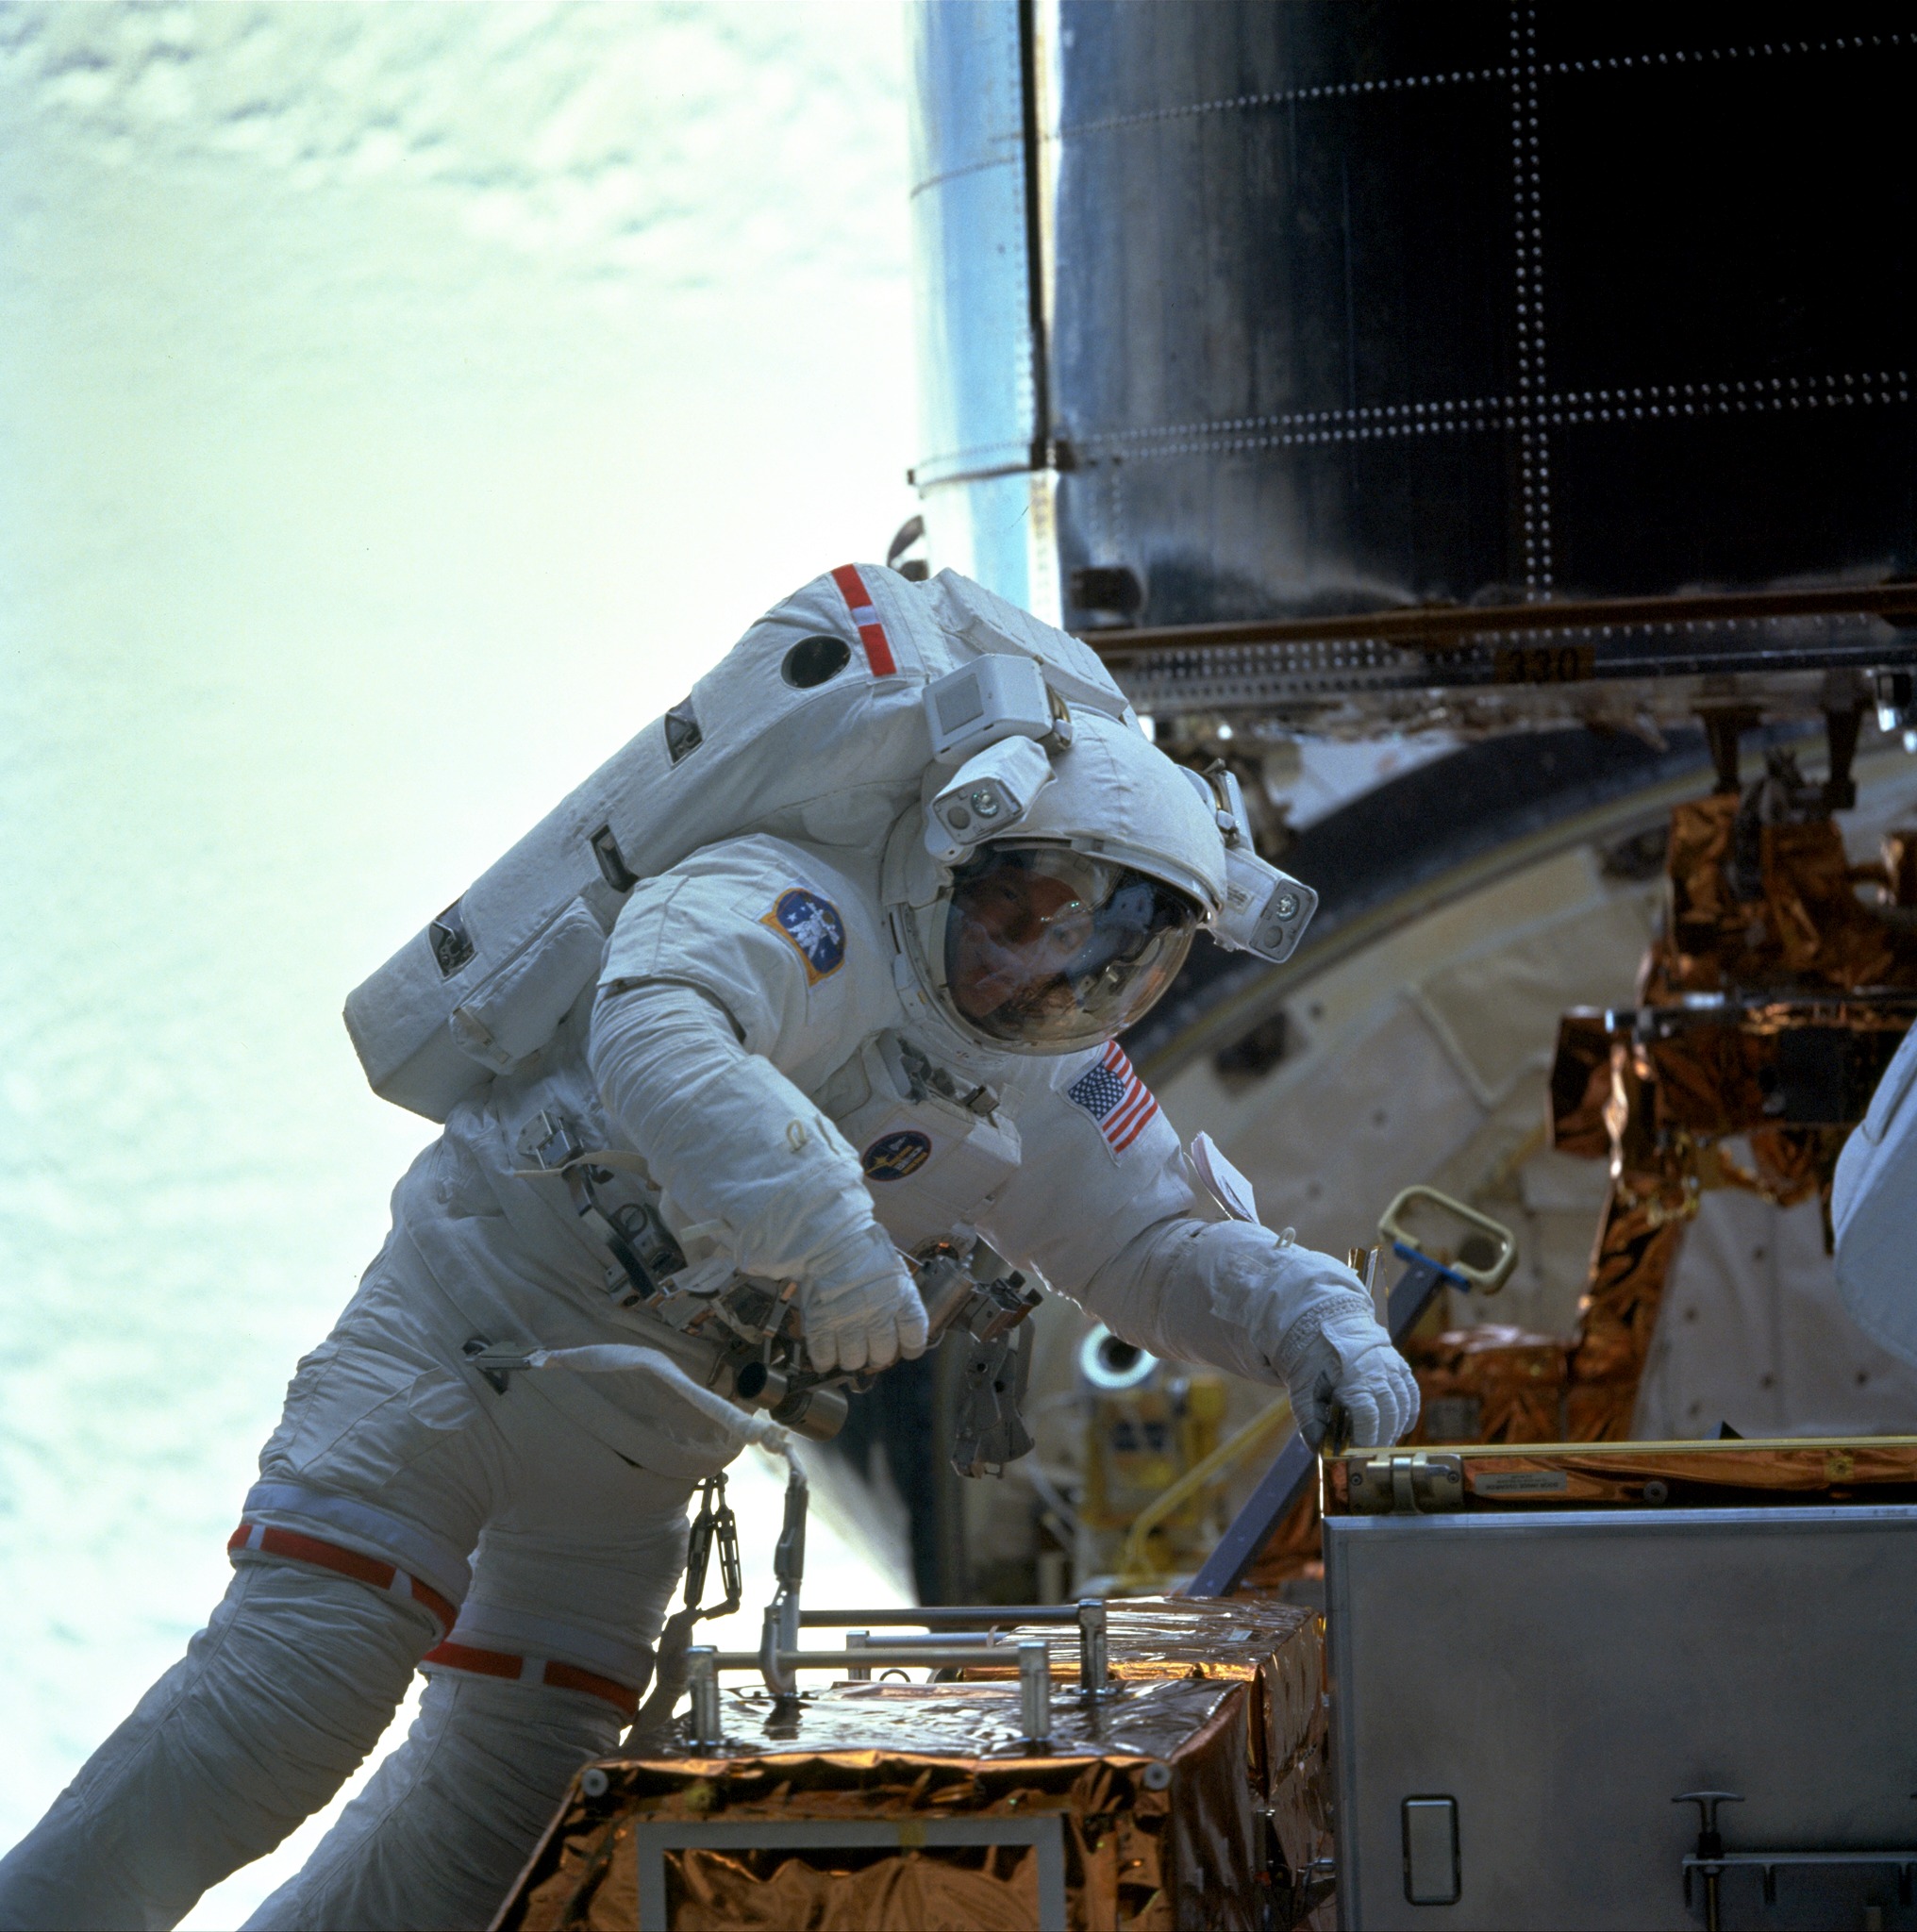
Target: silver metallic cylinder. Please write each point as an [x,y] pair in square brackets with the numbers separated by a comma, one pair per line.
[1035,1691]
[813,1411]
[702,1672]
[772,1639]
[759,1384]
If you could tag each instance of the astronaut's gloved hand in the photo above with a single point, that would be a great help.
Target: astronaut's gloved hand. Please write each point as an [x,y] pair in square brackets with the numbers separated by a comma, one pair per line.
[1341,1357]
[858,1305]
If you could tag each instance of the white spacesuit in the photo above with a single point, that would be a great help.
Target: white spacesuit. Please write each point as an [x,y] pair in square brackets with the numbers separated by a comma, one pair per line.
[1874,1210]
[815,1057]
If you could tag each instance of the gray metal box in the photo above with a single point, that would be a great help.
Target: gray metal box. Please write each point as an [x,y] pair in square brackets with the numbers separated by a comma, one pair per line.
[1563,1675]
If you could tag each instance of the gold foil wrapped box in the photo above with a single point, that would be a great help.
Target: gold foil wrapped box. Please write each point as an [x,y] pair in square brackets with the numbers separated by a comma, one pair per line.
[1191,1793]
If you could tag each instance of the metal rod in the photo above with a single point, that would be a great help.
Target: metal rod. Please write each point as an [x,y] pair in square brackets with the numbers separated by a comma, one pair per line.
[858,1639]
[939,1616]
[901,1641]
[1444,626]
[1895,1855]
[1095,1663]
[1035,1691]
[1036,321]
[949,1656]
[1249,1531]
[702,1668]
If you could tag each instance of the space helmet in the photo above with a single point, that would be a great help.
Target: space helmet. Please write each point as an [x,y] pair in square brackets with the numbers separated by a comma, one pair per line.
[1066,928]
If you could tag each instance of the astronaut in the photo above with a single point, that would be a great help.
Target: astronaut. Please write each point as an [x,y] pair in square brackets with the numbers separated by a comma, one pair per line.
[816,1057]
[1874,1210]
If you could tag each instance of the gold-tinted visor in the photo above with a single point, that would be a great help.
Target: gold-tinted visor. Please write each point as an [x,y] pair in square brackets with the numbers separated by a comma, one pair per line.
[1052,950]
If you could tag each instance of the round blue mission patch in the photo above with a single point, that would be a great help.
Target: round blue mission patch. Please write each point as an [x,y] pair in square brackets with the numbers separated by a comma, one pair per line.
[814,926]
[892,1156]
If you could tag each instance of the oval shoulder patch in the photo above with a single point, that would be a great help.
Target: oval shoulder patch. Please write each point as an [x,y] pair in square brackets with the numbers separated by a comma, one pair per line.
[813,926]
[892,1156]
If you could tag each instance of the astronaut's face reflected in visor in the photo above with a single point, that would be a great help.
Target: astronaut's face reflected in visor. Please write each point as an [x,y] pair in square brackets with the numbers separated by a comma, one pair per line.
[1048,949]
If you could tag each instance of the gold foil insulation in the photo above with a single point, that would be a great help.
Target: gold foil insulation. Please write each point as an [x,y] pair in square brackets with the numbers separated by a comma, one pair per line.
[1159,1790]
[1490,1384]
[1635,1475]
[1768,1007]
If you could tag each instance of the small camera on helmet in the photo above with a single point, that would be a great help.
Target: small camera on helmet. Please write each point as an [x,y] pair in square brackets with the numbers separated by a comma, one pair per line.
[985,797]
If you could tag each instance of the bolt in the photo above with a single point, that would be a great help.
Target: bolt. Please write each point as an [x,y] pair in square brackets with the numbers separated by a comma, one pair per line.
[1286,905]
[985,803]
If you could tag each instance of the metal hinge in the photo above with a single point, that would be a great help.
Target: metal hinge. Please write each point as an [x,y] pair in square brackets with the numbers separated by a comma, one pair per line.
[1402,1482]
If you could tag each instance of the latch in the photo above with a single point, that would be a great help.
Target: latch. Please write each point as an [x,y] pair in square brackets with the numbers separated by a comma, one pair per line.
[1405,1482]
[645,1252]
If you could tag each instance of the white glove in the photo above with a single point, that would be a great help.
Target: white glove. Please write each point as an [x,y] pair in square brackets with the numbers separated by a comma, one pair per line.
[858,1305]
[1337,1354]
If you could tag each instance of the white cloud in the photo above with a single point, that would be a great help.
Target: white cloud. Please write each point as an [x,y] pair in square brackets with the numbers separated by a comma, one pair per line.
[660,136]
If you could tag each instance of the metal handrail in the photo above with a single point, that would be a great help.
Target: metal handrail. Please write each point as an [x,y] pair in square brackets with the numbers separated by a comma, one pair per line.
[1087,1613]
[705,1662]
[899,1640]
[1444,626]
[938,1616]
[917,1656]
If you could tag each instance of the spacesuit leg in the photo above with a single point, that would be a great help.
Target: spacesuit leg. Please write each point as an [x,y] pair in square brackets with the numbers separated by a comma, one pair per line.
[275,1703]
[445,1823]
[386,1465]
[543,1671]
[349,1563]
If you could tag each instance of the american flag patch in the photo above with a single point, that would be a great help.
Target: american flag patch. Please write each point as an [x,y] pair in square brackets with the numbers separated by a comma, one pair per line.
[1115,1097]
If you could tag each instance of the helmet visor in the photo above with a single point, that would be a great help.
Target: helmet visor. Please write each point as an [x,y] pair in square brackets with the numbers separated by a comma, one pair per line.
[1050,949]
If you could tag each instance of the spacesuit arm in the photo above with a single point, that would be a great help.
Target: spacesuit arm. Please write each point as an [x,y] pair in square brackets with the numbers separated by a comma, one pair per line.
[740,1154]
[1130,1240]
[733,1145]
[1224,1292]
[1232,1295]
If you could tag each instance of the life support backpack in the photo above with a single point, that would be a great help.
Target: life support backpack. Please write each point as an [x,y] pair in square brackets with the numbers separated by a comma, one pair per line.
[812,726]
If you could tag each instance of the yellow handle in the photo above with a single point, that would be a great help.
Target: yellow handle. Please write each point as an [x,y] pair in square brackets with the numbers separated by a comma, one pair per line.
[1485,1280]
